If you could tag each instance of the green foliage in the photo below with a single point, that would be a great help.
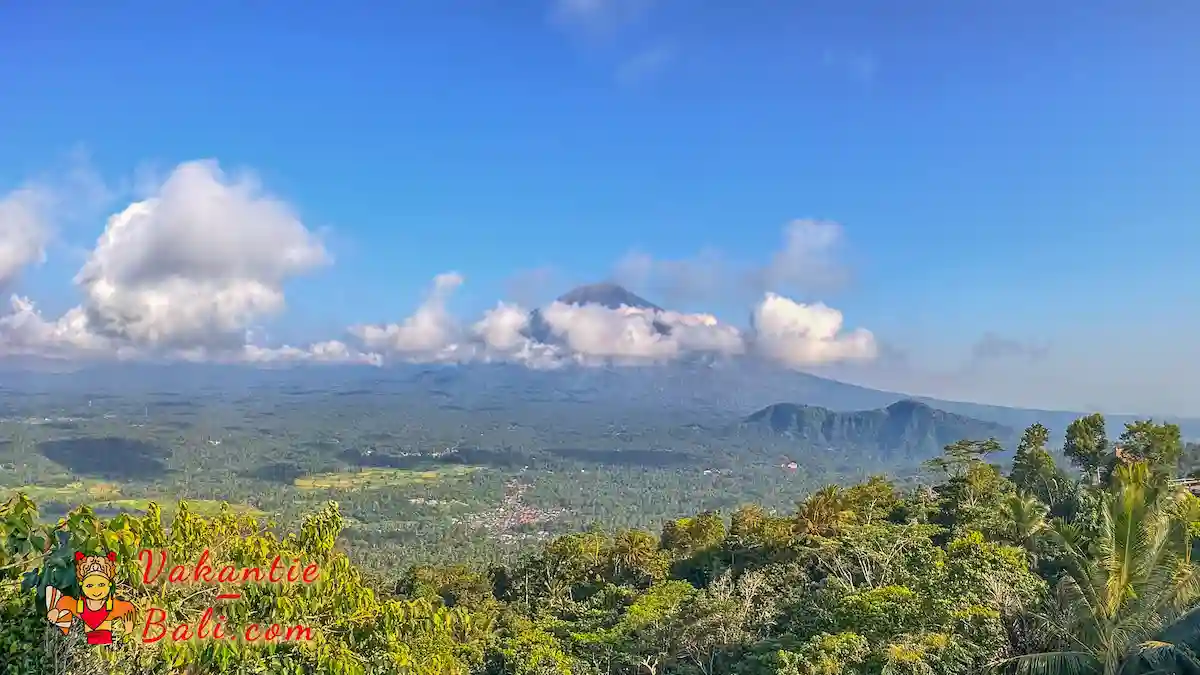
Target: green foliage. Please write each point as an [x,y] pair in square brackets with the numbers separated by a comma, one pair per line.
[826,654]
[1034,470]
[960,456]
[353,630]
[1158,445]
[1087,445]
[879,612]
[1128,602]
[1034,572]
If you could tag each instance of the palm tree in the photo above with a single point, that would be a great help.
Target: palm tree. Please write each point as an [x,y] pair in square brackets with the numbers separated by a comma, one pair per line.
[824,513]
[635,552]
[1023,520]
[1129,605]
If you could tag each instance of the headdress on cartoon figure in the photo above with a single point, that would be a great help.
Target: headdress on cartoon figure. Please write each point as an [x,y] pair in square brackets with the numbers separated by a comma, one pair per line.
[90,565]
[87,565]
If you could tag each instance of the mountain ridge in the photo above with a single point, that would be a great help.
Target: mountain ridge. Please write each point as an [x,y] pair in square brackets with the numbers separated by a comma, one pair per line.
[907,428]
[606,294]
[602,294]
[721,390]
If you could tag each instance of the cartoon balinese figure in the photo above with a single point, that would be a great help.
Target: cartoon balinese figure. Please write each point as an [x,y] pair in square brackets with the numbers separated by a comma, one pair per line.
[96,607]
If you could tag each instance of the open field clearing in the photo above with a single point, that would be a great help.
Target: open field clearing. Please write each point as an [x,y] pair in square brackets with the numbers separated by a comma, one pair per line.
[374,479]
[106,497]
[78,491]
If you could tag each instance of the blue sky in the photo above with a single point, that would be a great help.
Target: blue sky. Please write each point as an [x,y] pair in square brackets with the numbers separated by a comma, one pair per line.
[1026,170]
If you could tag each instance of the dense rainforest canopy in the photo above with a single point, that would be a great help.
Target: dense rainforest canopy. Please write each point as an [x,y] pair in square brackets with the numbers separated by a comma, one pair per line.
[1033,569]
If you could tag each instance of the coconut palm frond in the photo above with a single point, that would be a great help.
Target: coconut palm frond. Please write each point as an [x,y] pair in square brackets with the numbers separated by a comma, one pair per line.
[1183,631]
[1156,657]
[1050,663]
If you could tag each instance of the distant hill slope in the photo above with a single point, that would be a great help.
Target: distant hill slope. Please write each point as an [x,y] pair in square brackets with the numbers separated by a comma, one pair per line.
[695,390]
[906,428]
[607,295]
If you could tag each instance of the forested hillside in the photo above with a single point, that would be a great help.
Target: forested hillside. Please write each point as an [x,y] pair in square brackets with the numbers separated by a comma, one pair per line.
[904,429]
[1044,570]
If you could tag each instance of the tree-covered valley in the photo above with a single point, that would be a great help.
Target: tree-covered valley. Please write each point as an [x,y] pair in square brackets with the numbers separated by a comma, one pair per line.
[460,532]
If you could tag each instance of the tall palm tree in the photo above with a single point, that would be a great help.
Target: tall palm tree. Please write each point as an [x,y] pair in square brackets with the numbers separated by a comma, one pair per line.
[824,513]
[635,551]
[1023,520]
[1129,606]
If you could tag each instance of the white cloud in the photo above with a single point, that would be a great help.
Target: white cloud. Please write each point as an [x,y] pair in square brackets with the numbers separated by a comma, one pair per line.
[32,215]
[24,231]
[592,331]
[25,332]
[197,263]
[503,329]
[808,257]
[795,334]
[703,333]
[330,351]
[193,270]
[183,274]
[800,335]
[429,334]
[502,335]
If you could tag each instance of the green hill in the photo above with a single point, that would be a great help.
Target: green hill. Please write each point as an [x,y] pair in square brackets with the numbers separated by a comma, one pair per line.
[907,428]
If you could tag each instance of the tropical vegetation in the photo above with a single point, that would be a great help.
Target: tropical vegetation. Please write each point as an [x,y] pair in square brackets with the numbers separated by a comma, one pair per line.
[1025,567]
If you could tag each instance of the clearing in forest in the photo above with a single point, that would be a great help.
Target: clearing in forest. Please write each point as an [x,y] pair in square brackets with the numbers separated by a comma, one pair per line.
[369,479]
[81,492]
[106,497]
[203,507]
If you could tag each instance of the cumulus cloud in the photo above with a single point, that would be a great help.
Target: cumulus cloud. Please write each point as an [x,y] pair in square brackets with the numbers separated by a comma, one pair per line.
[593,332]
[800,335]
[503,335]
[24,231]
[430,333]
[194,269]
[25,332]
[503,329]
[330,351]
[795,334]
[197,263]
[577,333]
[181,274]
[600,332]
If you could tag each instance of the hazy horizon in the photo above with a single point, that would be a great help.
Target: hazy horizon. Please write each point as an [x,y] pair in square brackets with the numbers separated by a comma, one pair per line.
[865,197]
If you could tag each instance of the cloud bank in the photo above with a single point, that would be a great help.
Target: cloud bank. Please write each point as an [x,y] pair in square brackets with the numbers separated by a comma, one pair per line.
[808,261]
[24,231]
[188,272]
[195,264]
